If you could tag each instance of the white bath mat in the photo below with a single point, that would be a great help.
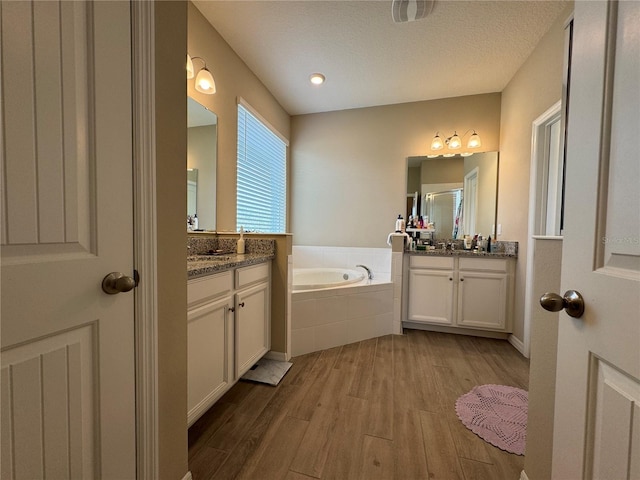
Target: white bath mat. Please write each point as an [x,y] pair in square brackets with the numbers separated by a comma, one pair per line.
[267,371]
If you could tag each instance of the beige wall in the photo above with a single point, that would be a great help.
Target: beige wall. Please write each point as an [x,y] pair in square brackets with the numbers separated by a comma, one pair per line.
[534,88]
[171,178]
[413,180]
[547,266]
[233,79]
[349,168]
[442,170]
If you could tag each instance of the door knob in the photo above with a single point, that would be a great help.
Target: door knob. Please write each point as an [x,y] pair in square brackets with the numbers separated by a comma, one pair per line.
[117,282]
[572,302]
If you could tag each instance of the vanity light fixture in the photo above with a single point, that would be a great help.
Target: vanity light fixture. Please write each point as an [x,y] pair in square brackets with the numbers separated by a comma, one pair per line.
[454,142]
[317,78]
[204,80]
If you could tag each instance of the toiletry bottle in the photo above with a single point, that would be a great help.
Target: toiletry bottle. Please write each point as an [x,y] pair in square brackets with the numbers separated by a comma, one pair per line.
[399,224]
[240,245]
[195,221]
[489,244]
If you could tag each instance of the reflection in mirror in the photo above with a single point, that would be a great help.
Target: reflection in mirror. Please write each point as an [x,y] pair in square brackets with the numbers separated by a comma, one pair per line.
[192,192]
[458,194]
[202,150]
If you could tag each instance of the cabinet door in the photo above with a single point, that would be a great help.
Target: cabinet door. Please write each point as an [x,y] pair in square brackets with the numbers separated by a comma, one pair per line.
[482,300]
[430,296]
[253,326]
[210,361]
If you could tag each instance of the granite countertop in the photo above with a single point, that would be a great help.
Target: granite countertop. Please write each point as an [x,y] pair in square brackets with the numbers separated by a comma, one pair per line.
[200,265]
[461,253]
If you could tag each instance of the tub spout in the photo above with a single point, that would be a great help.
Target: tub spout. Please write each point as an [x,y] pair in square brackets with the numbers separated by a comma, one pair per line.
[369,272]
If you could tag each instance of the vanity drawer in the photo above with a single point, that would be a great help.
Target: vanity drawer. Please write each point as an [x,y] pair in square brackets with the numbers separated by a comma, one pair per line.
[209,287]
[440,263]
[485,264]
[254,274]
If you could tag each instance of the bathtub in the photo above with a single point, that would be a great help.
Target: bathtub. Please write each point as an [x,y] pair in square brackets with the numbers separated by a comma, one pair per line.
[321,278]
[337,306]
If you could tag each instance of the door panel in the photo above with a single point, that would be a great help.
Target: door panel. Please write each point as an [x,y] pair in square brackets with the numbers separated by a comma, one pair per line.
[67,347]
[46,100]
[601,249]
[615,402]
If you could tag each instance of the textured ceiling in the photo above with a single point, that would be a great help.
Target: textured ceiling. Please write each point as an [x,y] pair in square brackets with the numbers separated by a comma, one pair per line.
[461,48]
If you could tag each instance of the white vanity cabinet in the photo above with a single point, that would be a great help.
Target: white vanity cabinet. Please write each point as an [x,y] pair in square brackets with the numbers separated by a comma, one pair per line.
[431,290]
[252,316]
[484,295]
[461,292]
[228,330]
[210,341]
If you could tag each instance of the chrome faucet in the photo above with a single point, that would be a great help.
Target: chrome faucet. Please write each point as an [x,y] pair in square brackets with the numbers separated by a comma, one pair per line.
[369,272]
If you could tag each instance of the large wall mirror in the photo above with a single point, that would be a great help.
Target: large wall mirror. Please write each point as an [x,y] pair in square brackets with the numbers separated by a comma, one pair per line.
[202,141]
[458,194]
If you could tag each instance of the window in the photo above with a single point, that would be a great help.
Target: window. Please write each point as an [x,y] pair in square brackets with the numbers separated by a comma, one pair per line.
[262,175]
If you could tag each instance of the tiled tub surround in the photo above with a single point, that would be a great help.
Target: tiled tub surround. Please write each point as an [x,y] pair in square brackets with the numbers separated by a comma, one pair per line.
[256,251]
[340,315]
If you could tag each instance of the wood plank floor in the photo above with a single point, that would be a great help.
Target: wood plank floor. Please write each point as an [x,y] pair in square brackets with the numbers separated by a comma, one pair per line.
[378,409]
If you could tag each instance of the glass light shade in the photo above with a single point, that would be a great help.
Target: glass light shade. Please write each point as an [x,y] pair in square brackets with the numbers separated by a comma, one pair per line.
[317,79]
[466,154]
[454,142]
[474,141]
[190,73]
[205,82]
[437,143]
[449,155]
[433,156]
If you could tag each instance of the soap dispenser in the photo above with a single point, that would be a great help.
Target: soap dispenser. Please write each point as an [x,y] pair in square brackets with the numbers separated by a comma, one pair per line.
[240,248]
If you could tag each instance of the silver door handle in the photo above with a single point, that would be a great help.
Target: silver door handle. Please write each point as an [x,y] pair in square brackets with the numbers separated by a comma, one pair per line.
[572,302]
[117,282]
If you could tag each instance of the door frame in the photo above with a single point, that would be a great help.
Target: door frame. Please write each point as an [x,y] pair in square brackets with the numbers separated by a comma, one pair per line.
[539,146]
[145,238]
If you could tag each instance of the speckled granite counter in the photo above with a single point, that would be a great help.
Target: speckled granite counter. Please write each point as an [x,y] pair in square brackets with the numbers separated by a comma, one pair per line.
[461,253]
[199,265]
[200,262]
[499,250]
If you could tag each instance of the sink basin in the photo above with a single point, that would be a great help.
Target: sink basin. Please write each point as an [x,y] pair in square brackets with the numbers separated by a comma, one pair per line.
[208,258]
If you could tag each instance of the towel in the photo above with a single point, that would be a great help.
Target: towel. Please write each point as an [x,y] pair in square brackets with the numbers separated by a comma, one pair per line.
[407,238]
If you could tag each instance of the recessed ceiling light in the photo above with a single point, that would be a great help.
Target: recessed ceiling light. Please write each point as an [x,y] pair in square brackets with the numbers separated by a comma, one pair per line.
[317,78]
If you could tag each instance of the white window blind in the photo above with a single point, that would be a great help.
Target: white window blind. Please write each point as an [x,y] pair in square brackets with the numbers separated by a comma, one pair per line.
[262,176]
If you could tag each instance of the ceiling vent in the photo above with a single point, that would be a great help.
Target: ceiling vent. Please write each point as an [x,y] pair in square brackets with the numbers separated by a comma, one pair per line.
[410,10]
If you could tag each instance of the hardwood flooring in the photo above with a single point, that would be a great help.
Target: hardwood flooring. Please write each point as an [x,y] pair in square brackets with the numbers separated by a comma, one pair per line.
[378,409]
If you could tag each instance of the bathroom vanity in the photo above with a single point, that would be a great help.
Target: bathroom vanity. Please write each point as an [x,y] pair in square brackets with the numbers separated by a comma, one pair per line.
[459,292]
[229,327]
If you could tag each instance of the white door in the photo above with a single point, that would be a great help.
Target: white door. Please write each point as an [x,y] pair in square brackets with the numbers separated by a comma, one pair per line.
[597,411]
[67,347]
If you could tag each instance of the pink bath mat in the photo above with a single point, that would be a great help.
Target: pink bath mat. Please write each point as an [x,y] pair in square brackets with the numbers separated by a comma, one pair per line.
[497,414]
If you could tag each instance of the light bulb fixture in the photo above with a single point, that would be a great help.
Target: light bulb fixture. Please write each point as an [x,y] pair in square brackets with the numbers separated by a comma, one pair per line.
[454,142]
[317,78]
[437,143]
[474,140]
[190,73]
[204,80]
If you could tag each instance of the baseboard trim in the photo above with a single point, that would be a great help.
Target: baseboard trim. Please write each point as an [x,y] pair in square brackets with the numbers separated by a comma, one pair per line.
[278,356]
[517,344]
[189,477]
[523,475]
